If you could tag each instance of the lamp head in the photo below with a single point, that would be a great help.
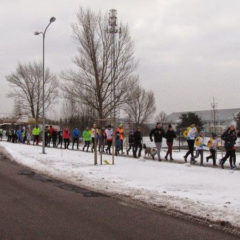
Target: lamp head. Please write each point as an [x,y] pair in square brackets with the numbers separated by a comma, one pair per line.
[36,33]
[52,19]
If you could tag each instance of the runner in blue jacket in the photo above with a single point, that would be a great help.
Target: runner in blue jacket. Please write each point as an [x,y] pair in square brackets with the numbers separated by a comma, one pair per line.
[75,137]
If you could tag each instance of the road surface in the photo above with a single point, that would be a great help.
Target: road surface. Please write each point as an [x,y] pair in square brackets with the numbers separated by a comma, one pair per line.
[37,207]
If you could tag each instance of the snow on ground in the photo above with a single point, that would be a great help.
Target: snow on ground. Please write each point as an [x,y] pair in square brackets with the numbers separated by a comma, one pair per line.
[206,192]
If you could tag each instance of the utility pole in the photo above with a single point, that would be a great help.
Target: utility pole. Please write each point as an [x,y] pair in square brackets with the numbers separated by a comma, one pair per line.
[113,30]
[214,110]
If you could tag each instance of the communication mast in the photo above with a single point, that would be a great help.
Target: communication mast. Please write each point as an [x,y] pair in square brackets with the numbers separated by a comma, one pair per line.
[214,111]
[113,30]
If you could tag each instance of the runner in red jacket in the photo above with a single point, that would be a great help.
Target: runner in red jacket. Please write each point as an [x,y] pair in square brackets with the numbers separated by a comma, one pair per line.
[66,138]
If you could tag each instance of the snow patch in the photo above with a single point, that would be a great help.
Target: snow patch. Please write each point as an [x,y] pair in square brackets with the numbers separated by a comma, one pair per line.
[210,193]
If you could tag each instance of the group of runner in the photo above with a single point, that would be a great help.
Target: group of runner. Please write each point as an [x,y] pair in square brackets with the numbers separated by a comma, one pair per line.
[101,139]
[195,139]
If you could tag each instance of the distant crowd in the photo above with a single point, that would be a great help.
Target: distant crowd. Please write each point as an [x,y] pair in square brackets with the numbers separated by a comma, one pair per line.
[101,140]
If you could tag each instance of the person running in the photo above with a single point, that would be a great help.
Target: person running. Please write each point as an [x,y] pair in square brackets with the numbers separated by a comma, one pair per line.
[8,135]
[117,143]
[170,135]
[199,143]
[191,135]
[75,137]
[109,138]
[130,141]
[19,135]
[121,136]
[14,135]
[60,138]
[66,138]
[94,136]
[229,137]
[137,143]
[102,140]
[158,133]
[47,136]
[234,157]
[50,134]
[213,146]
[86,138]
[54,138]
[1,134]
[24,137]
[36,133]
[28,136]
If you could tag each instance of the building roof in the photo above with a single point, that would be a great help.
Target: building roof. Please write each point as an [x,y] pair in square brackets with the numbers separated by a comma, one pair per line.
[222,115]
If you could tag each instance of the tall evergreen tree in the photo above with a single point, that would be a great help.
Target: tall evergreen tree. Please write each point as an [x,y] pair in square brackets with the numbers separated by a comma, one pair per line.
[187,119]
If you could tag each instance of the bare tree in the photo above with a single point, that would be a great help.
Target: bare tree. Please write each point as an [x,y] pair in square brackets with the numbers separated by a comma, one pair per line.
[91,83]
[161,117]
[17,108]
[140,105]
[26,85]
[76,115]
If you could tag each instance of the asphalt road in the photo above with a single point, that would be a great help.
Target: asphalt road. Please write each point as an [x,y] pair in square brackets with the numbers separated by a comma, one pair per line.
[36,207]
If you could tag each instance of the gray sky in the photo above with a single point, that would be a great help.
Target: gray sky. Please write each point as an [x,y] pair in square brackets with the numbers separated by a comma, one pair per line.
[188,50]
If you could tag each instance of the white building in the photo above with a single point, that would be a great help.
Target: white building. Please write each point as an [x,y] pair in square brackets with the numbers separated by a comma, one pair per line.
[224,118]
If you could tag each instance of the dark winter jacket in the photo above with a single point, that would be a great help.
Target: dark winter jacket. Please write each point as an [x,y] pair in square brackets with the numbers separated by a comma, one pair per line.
[170,135]
[137,137]
[131,138]
[158,134]
[229,137]
[60,137]
[54,136]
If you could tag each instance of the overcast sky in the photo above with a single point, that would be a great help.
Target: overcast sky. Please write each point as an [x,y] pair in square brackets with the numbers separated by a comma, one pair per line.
[188,50]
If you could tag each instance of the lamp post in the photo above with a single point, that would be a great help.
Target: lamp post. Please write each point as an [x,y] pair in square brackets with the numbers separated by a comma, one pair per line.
[52,19]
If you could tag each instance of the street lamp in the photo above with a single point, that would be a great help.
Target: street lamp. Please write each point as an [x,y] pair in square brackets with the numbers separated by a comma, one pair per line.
[52,19]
